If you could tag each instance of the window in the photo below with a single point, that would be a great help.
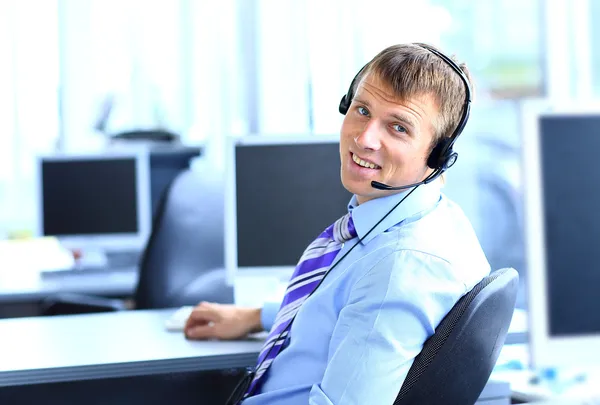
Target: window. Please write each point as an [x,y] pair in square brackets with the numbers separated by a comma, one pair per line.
[29,88]
[508,65]
[594,16]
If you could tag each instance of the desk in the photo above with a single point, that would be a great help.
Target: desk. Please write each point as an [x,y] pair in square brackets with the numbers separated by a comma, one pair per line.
[19,296]
[570,392]
[115,358]
[108,345]
[46,352]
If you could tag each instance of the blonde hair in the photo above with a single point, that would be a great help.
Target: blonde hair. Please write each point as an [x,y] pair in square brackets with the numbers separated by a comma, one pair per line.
[412,71]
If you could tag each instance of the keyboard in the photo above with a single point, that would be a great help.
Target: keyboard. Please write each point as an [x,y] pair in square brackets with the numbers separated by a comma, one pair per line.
[118,260]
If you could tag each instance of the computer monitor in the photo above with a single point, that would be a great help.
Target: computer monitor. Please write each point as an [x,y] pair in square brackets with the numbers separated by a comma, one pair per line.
[281,194]
[562,218]
[95,202]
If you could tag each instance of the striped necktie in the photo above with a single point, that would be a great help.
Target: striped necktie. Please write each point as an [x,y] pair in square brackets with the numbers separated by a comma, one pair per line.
[311,268]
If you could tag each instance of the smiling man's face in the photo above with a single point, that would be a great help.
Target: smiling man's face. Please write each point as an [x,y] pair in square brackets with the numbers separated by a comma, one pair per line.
[385,139]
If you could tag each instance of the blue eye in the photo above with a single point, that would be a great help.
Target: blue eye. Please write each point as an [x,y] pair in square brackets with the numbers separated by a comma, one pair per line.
[362,111]
[399,128]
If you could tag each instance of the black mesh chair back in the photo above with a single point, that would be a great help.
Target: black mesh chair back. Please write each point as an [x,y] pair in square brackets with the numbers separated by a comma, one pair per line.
[457,360]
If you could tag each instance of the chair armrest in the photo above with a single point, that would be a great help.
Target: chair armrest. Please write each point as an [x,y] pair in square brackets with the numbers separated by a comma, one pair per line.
[72,303]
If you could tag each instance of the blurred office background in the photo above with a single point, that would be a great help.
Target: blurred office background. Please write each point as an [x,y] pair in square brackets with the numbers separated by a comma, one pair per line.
[74,72]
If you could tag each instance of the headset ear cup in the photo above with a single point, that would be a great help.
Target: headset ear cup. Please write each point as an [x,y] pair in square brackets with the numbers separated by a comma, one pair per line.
[433,161]
[343,108]
[442,156]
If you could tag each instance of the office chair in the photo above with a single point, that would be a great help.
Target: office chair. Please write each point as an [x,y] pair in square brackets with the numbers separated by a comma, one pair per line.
[456,361]
[183,262]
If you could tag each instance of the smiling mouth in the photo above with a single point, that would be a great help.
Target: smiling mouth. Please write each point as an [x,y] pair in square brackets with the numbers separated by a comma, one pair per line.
[364,163]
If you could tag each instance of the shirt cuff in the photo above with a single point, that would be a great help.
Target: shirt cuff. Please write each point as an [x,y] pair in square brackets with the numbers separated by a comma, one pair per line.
[268,314]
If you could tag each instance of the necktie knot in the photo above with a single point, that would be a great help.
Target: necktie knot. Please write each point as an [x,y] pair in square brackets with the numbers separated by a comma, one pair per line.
[343,229]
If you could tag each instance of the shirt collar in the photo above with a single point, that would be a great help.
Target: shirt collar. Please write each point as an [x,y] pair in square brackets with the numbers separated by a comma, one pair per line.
[366,215]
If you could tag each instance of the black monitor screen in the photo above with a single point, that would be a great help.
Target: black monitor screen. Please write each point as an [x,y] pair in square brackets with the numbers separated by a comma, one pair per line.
[286,196]
[569,148]
[89,197]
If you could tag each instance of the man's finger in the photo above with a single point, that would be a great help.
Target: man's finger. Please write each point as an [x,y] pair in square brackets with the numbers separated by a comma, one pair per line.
[192,323]
[201,332]
[204,314]
[197,317]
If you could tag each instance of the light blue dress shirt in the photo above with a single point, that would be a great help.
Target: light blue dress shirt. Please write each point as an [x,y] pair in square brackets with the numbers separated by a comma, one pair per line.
[354,340]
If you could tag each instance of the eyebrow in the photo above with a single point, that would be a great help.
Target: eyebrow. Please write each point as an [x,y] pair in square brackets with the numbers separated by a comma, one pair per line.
[400,117]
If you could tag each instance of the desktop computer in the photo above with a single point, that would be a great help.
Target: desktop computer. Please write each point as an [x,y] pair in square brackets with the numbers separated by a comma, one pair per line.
[280,194]
[562,200]
[97,204]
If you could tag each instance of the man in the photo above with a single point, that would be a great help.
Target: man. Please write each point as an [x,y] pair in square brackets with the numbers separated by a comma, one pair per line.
[389,279]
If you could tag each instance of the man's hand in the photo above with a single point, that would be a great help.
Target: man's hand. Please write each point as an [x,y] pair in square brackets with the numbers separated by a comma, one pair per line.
[227,322]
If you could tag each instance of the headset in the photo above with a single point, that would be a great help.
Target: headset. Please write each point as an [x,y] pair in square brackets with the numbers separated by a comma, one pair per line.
[441,158]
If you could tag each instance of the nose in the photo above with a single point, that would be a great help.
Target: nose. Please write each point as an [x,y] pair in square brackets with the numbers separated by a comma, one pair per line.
[368,138]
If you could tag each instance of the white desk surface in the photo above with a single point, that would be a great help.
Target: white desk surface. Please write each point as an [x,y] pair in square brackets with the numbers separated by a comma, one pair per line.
[129,343]
[573,393]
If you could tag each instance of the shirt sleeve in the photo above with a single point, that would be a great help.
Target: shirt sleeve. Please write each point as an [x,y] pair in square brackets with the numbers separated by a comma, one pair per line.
[390,313]
[268,314]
